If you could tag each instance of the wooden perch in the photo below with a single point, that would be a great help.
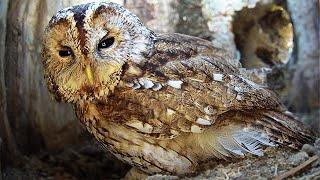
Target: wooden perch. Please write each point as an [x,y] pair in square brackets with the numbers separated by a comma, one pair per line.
[297,169]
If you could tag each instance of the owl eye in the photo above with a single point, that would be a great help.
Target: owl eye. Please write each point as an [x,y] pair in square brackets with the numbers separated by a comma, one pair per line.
[106,43]
[65,53]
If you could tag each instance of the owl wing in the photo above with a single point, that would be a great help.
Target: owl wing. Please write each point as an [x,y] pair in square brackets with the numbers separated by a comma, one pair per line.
[191,66]
[187,86]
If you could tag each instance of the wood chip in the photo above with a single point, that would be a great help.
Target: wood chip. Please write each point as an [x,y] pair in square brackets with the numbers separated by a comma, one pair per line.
[295,170]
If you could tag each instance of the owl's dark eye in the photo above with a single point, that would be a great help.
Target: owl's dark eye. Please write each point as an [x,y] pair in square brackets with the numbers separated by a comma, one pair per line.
[106,43]
[65,53]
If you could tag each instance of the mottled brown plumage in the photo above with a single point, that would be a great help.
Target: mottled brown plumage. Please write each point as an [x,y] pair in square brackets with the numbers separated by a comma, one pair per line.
[164,103]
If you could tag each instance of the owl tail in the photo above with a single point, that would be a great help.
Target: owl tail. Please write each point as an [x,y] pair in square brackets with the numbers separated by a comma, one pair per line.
[285,129]
[253,131]
[243,133]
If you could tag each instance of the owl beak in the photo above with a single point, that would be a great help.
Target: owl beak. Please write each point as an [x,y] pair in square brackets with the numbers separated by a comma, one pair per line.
[89,74]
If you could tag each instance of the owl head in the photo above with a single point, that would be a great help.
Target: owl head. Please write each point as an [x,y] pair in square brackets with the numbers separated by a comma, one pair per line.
[85,48]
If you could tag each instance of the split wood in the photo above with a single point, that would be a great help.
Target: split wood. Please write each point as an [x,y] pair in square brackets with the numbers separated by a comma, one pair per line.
[295,170]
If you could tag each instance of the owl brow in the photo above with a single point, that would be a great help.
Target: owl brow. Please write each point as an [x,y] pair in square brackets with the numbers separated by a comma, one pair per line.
[60,21]
[79,16]
[102,9]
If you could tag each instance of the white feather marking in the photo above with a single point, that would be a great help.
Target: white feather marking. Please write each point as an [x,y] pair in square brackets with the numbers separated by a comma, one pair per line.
[276,119]
[146,128]
[170,112]
[101,92]
[218,77]
[209,110]
[157,87]
[237,151]
[251,83]
[202,121]
[196,129]
[129,84]
[238,89]
[265,141]
[174,132]
[133,70]
[239,97]
[146,83]
[262,138]
[136,86]
[288,113]
[232,146]
[135,123]
[193,79]
[175,83]
[246,140]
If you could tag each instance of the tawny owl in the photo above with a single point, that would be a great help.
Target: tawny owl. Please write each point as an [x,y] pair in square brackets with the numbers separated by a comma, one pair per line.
[164,103]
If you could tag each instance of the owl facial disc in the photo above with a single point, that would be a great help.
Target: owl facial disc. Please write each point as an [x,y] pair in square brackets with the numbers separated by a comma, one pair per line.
[86,46]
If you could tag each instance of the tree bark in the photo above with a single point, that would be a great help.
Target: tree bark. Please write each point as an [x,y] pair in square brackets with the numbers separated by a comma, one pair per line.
[1,175]
[37,121]
[8,143]
[304,82]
